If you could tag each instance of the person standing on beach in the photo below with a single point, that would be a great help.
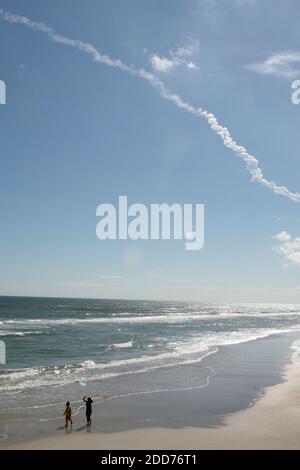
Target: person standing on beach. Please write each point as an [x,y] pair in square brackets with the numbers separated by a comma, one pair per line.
[88,403]
[68,414]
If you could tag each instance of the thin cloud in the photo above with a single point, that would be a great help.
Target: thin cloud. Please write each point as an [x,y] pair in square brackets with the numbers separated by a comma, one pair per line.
[282,236]
[251,163]
[289,248]
[281,64]
[181,57]
[162,64]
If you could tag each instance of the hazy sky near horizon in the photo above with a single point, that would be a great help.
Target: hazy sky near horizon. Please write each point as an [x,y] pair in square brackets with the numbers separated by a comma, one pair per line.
[75,133]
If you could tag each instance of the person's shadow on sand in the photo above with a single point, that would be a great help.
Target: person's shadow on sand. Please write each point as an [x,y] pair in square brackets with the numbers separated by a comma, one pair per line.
[83,428]
[67,430]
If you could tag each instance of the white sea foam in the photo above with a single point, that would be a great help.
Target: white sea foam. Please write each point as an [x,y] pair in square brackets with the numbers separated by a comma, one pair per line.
[87,364]
[20,333]
[126,344]
[189,351]
[12,333]
[179,317]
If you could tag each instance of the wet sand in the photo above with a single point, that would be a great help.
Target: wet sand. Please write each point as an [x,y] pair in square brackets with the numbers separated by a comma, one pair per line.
[252,401]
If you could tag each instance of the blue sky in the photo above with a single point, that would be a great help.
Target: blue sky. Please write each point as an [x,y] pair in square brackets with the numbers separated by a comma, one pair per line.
[75,133]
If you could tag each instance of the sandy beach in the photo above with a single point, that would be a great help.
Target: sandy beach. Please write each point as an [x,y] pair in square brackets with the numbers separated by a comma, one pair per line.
[271,423]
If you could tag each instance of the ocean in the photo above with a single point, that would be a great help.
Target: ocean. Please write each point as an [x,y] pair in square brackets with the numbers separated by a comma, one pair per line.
[52,341]
[59,349]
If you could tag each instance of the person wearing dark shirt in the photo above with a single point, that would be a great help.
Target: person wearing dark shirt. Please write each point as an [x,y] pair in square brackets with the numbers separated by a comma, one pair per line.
[88,411]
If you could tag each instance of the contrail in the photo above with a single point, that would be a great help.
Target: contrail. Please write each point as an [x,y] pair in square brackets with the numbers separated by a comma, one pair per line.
[252,164]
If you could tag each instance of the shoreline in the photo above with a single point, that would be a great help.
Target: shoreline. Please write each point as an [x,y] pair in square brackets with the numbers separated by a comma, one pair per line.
[251,401]
[271,423]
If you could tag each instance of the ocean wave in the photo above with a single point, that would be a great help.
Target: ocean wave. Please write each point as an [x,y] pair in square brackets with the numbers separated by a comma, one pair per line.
[179,317]
[125,345]
[20,333]
[189,351]
[87,364]
[12,333]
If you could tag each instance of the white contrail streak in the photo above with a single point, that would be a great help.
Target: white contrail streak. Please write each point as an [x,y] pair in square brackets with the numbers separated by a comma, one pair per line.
[252,164]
